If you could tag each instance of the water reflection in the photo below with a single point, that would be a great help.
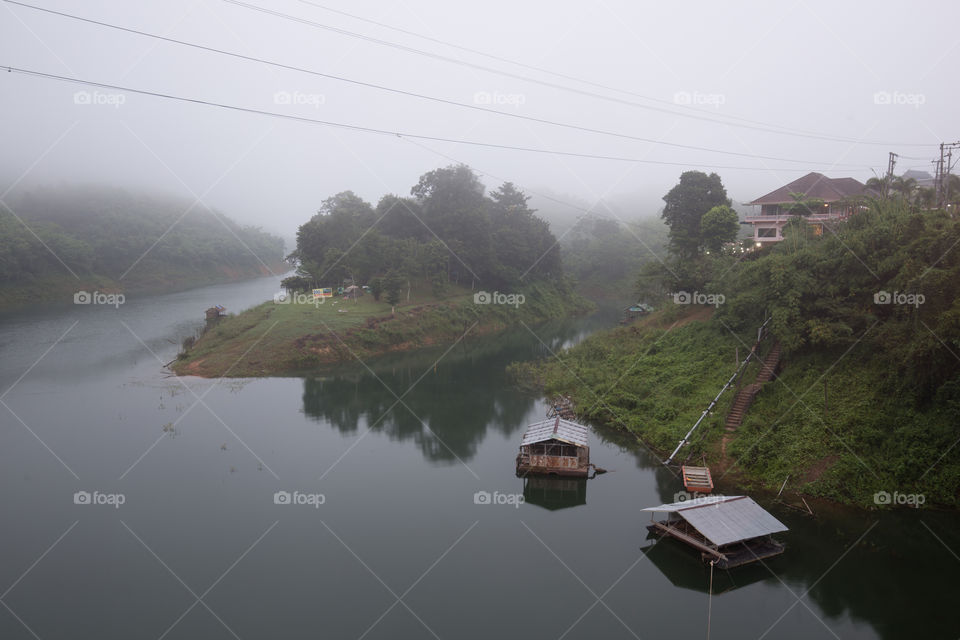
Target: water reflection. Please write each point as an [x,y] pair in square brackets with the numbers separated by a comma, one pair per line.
[683,568]
[554,492]
[448,398]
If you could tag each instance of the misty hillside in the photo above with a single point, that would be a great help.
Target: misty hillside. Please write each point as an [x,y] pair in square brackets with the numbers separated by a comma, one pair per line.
[125,240]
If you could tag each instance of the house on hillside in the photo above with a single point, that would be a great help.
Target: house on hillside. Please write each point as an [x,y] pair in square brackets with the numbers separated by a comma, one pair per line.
[836,198]
[923,178]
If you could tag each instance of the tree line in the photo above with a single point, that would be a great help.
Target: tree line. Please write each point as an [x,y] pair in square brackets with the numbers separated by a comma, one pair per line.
[447,231]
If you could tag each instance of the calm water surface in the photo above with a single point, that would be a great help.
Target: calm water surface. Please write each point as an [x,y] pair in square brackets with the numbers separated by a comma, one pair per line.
[199,548]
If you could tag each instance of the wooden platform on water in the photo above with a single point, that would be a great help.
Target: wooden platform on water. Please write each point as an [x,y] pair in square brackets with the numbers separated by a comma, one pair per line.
[728,556]
[697,479]
[728,531]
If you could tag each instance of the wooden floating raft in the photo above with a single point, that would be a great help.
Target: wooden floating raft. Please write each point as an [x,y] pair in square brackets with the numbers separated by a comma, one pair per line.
[728,531]
[697,479]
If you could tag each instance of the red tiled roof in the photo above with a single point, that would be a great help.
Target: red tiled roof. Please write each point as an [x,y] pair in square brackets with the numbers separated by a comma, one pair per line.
[816,186]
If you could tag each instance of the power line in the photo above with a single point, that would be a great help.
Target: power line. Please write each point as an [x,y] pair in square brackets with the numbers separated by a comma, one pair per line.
[697,116]
[366,129]
[536,68]
[403,92]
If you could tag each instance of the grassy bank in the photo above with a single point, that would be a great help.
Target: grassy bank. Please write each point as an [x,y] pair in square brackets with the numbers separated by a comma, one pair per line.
[284,339]
[654,378]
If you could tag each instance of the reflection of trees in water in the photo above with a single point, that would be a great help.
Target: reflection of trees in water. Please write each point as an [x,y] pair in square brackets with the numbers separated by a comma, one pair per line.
[461,396]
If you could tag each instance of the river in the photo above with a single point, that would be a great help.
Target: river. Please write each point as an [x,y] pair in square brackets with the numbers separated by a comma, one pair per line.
[343,505]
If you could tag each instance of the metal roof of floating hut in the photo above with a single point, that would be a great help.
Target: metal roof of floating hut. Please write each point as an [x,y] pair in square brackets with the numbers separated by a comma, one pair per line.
[554,446]
[556,429]
[731,530]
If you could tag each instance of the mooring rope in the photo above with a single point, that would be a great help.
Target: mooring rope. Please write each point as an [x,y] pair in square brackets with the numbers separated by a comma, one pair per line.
[710,600]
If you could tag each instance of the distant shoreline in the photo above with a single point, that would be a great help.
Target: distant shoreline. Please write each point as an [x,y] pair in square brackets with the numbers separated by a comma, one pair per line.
[61,290]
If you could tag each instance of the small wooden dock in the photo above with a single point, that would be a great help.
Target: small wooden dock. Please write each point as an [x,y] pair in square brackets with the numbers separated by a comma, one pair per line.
[697,479]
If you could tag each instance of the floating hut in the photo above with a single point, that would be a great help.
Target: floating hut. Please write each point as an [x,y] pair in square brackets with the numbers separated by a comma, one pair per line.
[216,312]
[728,531]
[554,446]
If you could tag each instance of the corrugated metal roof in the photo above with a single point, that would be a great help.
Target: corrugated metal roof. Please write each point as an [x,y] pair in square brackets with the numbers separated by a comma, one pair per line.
[725,519]
[556,429]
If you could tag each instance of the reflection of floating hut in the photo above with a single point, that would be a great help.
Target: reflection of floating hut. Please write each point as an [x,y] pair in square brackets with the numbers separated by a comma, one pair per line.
[554,446]
[727,530]
[553,492]
[684,571]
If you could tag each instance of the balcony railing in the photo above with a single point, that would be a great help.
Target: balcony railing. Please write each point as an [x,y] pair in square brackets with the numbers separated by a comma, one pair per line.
[816,217]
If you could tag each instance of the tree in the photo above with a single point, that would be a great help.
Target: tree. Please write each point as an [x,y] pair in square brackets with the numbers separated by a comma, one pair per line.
[392,287]
[718,226]
[376,288]
[693,196]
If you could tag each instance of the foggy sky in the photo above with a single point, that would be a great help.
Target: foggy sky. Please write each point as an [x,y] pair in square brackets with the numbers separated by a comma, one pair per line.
[821,67]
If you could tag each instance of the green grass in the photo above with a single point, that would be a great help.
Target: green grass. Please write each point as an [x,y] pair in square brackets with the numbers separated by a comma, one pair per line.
[653,382]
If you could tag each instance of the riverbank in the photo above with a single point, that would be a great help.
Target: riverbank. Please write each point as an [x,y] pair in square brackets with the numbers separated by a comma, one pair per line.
[851,444]
[274,339]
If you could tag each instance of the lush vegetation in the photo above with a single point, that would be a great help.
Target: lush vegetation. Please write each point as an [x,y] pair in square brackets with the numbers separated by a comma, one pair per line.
[868,398]
[287,339]
[122,240]
[448,232]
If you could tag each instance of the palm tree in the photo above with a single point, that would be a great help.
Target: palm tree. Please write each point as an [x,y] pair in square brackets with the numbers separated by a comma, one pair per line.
[904,187]
[879,185]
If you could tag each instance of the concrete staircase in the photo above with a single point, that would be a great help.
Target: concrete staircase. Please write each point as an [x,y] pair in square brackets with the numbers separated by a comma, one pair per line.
[748,392]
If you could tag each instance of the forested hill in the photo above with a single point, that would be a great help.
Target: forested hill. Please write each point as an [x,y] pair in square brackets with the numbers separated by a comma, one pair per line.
[122,240]
[866,398]
[448,232]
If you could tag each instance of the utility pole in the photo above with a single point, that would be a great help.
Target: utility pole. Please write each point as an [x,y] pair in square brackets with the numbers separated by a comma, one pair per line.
[944,166]
[938,180]
[891,163]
